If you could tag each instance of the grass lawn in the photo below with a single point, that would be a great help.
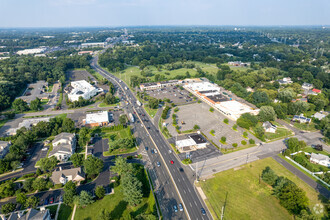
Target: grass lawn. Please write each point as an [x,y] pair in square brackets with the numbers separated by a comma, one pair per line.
[279,134]
[305,127]
[65,212]
[246,198]
[116,135]
[242,147]
[44,101]
[102,104]
[150,111]
[52,210]
[118,208]
[312,150]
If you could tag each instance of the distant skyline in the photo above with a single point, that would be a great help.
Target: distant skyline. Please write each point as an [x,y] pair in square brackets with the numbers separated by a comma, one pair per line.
[89,13]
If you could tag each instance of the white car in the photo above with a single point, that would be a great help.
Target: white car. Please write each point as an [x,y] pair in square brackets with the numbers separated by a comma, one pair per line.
[155,151]
[170,151]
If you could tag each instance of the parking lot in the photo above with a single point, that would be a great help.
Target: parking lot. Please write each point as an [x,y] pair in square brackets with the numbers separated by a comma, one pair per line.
[76,75]
[199,114]
[174,93]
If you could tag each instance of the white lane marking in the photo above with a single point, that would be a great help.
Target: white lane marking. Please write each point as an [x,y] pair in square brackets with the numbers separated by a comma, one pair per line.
[184,191]
[179,180]
[189,190]
[195,203]
[190,204]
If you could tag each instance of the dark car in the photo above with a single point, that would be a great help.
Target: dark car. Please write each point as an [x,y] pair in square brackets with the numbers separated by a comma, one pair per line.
[203,211]
[46,202]
[146,148]
[181,169]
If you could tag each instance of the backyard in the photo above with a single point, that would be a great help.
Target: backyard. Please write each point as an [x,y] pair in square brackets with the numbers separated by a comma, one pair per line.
[245,196]
[116,133]
[118,208]
[279,134]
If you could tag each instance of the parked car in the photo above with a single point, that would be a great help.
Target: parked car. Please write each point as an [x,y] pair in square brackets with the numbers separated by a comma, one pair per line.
[175,208]
[180,207]
[46,202]
[51,201]
[158,164]
[155,151]
[172,162]
[146,148]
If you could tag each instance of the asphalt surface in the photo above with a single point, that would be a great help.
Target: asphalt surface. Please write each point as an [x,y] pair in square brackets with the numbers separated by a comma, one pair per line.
[172,185]
[318,187]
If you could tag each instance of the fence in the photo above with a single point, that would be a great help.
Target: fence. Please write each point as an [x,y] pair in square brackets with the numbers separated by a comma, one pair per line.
[311,173]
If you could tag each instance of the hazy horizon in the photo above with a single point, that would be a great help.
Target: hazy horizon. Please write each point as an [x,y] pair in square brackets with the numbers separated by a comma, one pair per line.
[135,13]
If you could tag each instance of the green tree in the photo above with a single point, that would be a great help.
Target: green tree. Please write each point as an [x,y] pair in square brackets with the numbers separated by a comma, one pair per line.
[245,134]
[269,176]
[267,113]
[93,165]
[27,185]
[77,159]
[20,105]
[123,119]
[132,189]
[84,136]
[223,139]
[48,164]
[104,215]
[68,125]
[211,109]
[7,189]
[32,202]
[226,120]
[8,207]
[35,105]
[39,184]
[196,127]
[293,198]
[85,198]
[260,132]
[99,192]
[121,166]
[153,103]
[234,145]
[21,198]
[38,172]
[247,120]
[286,95]
[109,99]
[69,192]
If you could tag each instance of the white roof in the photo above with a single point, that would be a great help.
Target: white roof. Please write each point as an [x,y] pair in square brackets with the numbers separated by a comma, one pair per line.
[235,108]
[81,86]
[185,143]
[320,157]
[97,117]
[203,86]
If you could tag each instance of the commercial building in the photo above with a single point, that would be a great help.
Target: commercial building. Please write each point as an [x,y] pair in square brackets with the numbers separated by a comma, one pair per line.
[63,176]
[190,142]
[97,119]
[211,94]
[82,89]
[85,52]
[64,145]
[94,44]
[31,51]
[159,85]
[4,148]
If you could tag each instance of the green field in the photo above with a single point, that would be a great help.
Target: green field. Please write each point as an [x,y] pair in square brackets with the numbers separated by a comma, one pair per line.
[52,210]
[116,135]
[242,147]
[150,111]
[102,104]
[118,208]
[279,134]
[305,127]
[246,198]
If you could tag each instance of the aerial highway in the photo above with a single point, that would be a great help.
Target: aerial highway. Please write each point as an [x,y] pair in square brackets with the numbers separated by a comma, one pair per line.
[172,183]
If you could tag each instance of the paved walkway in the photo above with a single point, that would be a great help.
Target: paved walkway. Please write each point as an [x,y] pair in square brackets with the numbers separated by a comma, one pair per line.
[57,210]
[318,187]
[73,212]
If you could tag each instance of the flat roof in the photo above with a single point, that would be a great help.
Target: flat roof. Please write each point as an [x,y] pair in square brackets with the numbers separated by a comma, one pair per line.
[218,98]
[97,117]
[198,138]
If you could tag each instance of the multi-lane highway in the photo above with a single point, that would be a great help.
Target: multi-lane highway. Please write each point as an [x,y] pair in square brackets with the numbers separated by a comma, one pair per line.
[172,184]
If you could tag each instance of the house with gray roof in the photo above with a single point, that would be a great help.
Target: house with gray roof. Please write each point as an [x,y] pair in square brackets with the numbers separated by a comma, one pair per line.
[4,148]
[64,145]
[63,176]
[32,214]
[269,127]
[321,159]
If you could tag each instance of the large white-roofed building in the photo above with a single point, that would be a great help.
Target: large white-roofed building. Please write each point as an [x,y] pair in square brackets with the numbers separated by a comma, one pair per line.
[96,119]
[93,44]
[235,109]
[82,89]
[32,51]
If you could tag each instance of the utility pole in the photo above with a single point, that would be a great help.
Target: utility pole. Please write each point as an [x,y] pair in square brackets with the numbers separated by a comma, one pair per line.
[221,217]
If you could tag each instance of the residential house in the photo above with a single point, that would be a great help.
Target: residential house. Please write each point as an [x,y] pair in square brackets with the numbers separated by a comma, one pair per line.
[320,159]
[307,86]
[63,176]
[320,115]
[32,214]
[64,145]
[4,148]
[301,119]
[269,127]
[316,91]
[285,80]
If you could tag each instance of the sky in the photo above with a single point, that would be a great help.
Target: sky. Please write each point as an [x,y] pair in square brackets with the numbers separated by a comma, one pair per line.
[109,13]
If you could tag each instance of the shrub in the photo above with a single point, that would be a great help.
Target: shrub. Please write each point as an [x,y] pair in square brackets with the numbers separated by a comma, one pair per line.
[225,120]
[235,145]
[211,109]
[235,127]
[196,127]
[187,161]
[223,139]
[269,176]
[212,131]
[243,142]
[245,134]
[251,141]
